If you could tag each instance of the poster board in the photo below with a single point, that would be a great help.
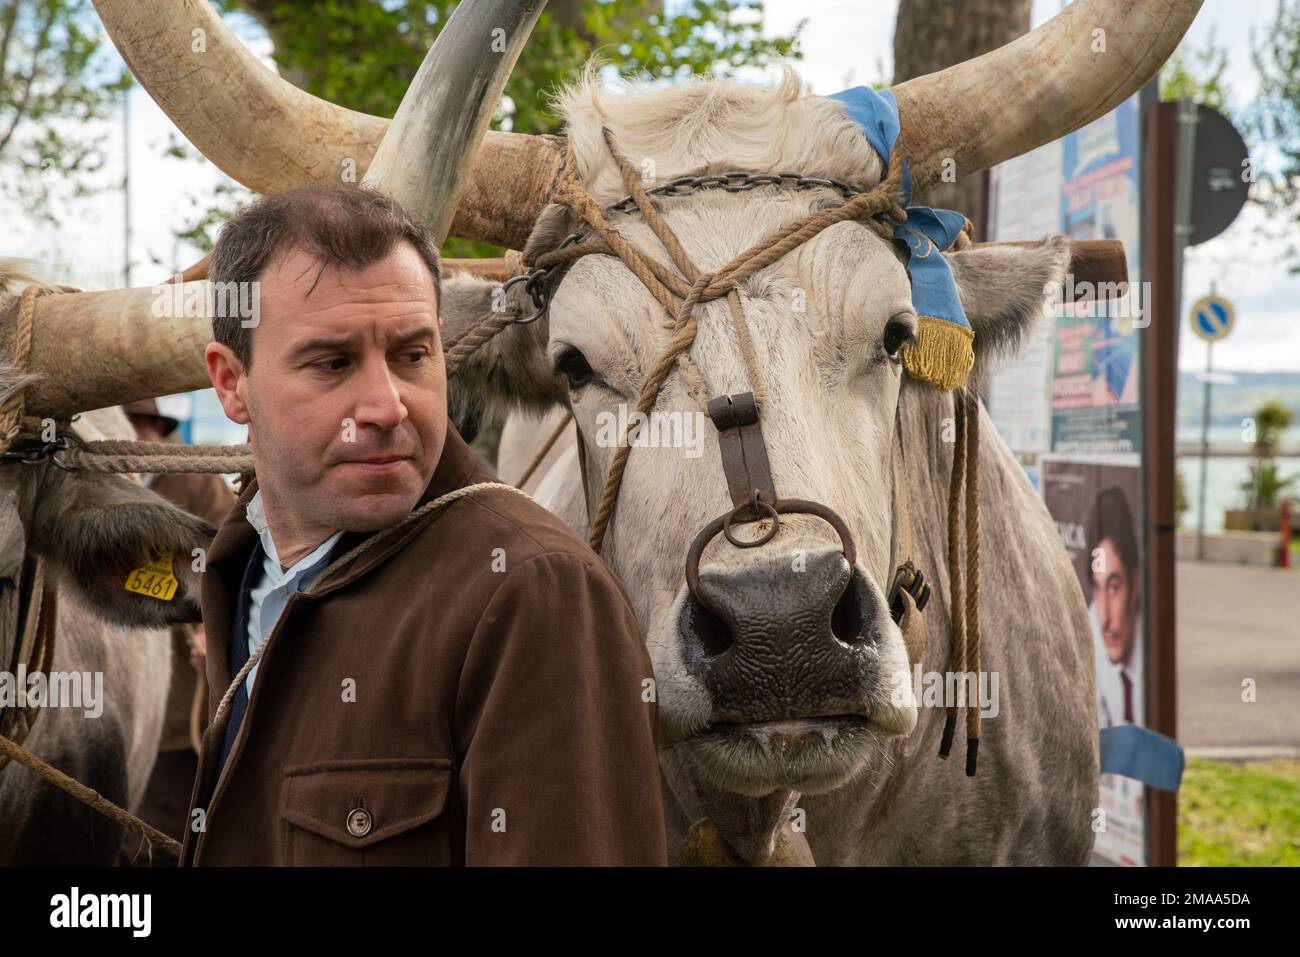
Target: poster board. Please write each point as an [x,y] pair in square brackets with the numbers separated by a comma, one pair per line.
[1067,405]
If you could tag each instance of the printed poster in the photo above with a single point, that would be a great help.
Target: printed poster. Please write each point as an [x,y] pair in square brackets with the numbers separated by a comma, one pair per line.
[1097,512]
[1070,399]
[1025,204]
[1094,361]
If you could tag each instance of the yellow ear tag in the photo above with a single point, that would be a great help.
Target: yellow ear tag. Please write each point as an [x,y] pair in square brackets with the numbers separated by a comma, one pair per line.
[154,579]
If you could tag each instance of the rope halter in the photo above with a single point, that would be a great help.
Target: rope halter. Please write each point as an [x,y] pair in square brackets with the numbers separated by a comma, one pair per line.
[737,417]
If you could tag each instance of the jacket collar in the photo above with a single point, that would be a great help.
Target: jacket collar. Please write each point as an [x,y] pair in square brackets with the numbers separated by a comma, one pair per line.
[228,557]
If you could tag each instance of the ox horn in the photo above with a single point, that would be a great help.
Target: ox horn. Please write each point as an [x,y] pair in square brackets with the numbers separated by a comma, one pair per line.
[106,348]
[1078,66]
[431,144]
[267,134]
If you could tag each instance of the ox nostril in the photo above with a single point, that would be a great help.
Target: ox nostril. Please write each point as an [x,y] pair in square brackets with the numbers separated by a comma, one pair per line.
[712,633]
[762,610]
[848,619]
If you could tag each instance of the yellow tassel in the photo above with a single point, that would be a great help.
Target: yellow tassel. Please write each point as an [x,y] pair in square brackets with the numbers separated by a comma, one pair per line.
[944,353]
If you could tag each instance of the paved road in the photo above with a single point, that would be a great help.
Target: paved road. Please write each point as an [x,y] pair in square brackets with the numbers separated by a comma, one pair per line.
[1237,622]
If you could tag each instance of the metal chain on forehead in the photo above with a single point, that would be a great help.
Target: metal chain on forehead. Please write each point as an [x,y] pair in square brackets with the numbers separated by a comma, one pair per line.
[681,291]
[540,282]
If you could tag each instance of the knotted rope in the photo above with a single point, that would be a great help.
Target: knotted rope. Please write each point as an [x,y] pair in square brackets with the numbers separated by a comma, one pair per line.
[119,455]
[964,657]
[680,292]
[13,418]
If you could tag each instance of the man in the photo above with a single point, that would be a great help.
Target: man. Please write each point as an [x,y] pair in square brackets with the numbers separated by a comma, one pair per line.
[207,496]
[1113,608]
[470,688]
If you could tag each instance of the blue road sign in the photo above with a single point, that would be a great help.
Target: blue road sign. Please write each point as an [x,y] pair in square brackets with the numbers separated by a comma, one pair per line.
[1212,317]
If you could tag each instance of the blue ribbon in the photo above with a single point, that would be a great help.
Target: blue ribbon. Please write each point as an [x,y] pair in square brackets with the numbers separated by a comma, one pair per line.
[1142,755]
[927,232]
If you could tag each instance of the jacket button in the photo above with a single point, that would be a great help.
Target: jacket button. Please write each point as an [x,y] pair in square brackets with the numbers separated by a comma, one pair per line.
[359,822]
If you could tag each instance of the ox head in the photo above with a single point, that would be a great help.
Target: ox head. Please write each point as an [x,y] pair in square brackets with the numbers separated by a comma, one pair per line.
[780,670]
[777,679]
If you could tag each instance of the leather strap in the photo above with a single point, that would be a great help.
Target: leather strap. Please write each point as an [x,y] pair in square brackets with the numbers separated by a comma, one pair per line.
[908,592]
[32,588]
[34,650]
[744,454]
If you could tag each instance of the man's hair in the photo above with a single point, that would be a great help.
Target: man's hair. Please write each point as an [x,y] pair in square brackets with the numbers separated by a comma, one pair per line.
[1112,518]
[345,226]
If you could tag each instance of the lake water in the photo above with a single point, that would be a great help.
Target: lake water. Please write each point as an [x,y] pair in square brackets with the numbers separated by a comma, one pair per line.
[1224,477]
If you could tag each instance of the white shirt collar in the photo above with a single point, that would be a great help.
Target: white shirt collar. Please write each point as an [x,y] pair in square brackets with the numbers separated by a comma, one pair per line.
[256,515]
[1134,667]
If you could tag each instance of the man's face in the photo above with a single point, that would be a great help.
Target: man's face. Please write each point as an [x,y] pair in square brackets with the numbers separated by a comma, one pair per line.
[346,397]
[1115,601]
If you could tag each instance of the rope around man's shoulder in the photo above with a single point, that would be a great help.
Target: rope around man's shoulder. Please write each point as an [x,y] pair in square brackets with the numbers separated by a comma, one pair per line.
[415,516]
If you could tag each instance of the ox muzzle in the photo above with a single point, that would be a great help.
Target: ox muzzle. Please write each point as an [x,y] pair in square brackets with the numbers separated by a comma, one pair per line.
[792,636]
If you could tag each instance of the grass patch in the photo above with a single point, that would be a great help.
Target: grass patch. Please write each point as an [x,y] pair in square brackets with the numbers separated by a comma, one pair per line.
[1239,814]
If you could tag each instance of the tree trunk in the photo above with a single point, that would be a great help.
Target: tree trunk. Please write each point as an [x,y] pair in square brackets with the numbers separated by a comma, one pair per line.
[931,35]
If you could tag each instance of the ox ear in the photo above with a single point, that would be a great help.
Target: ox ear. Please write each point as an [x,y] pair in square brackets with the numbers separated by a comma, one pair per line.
[507,372]
[95,530]
[1003,289]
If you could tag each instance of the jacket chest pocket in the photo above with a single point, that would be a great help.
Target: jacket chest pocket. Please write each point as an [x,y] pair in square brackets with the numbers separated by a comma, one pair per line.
[372,811]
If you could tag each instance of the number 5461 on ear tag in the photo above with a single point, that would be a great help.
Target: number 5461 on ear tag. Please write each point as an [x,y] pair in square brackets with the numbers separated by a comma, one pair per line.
[154,579]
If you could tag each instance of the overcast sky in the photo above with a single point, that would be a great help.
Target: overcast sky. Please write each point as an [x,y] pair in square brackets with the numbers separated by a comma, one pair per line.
[846,42]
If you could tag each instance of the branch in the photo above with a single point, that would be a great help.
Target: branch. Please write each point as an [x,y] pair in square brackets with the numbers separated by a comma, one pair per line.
[8,20]
[21,107]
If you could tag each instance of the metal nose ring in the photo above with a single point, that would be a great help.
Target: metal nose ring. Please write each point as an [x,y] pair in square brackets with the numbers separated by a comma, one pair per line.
[782,507]
[757,508]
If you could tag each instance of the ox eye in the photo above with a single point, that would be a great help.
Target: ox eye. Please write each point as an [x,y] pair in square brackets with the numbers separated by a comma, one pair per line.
[898,333]
[573,365]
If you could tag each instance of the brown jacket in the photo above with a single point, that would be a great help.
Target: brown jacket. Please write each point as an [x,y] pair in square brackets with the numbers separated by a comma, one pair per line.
[500,716]
[208,497]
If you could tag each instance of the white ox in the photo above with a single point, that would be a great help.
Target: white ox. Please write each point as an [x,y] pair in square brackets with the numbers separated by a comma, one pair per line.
[779,701]
[788,700]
